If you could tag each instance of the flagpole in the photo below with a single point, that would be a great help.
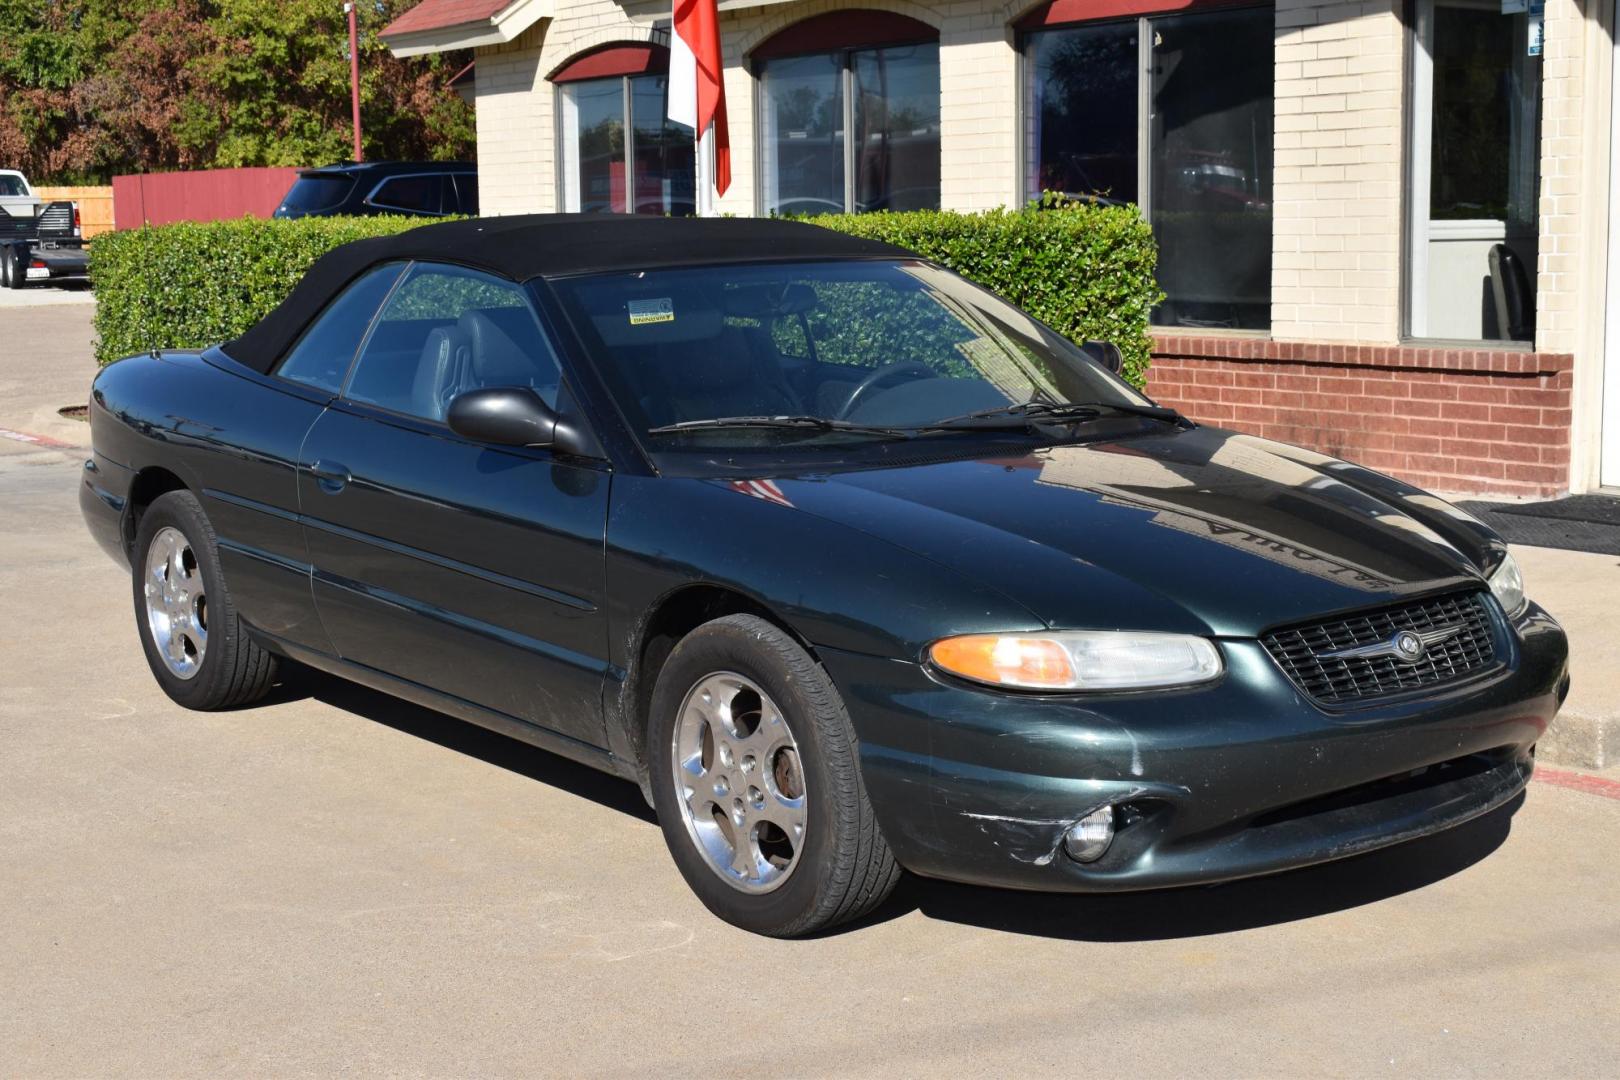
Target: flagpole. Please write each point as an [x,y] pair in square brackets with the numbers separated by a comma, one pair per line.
[705,172]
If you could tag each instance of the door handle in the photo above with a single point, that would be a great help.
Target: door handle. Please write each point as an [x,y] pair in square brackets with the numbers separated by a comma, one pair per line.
[331,476]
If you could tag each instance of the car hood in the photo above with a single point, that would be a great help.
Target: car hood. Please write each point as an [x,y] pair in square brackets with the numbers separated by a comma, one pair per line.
[1202,531]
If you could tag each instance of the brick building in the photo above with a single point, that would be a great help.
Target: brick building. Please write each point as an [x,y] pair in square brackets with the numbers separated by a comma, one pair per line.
[1384,225]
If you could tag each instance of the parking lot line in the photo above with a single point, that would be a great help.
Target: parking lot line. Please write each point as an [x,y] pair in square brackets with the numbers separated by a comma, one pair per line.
[1594,785]
[36,440]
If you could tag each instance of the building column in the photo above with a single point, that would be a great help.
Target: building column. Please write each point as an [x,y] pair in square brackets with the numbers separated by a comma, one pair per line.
[513,104]
[1336,242]
[978,112]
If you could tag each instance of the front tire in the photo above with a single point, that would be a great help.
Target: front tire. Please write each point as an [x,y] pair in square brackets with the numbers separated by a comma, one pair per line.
[757,784]
[195,645]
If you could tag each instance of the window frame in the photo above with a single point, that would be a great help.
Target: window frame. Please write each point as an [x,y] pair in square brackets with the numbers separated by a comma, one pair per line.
[1142,17]
[404,266]
[561,80]
[1418,228]
[846,86]
[368,408]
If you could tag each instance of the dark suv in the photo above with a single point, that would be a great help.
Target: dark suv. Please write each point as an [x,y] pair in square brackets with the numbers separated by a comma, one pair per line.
[417,188]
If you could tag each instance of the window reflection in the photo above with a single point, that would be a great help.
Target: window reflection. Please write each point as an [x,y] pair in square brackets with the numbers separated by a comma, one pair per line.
[804,135]
[897,125]
[888,96]
[1209,141]
[1085,90]
[621,153]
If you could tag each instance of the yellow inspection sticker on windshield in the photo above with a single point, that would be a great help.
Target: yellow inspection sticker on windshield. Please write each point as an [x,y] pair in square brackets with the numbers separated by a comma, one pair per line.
[643,312]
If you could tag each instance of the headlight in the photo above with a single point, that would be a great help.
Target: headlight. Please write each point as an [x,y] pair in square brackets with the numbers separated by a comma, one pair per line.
[1507,584]
[1079,659]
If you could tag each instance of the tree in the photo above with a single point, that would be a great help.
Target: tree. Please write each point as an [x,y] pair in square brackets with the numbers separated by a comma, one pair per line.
[89,88]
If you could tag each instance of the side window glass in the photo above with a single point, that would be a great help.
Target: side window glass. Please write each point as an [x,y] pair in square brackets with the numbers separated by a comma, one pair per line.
[322,355]
[447,330]
[418,194]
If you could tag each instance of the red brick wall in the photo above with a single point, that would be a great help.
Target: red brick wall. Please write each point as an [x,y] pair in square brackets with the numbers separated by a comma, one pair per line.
[1450,419]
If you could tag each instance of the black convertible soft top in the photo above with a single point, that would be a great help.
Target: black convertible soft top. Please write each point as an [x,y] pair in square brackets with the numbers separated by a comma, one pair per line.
[547,245]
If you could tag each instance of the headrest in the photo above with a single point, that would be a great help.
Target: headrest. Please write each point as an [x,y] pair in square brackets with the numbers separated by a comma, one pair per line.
[497,358]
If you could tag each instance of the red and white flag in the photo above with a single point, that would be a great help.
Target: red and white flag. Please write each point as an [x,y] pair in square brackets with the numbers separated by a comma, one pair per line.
[697,95]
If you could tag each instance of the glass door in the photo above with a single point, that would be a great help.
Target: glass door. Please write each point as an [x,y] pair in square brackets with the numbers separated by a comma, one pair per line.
[1476,92]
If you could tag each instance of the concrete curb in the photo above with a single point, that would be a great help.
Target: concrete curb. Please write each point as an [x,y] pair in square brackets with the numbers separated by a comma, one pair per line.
[1581,741]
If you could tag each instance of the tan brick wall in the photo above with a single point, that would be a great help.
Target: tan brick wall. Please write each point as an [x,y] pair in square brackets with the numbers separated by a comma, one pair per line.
[514,146]
[1561,226]
[1336,244]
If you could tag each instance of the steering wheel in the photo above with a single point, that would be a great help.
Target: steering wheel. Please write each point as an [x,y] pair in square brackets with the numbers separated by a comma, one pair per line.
[905,369]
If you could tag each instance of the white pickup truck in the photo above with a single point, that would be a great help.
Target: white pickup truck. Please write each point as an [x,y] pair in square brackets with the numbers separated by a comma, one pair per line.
[39,241]
[16,197]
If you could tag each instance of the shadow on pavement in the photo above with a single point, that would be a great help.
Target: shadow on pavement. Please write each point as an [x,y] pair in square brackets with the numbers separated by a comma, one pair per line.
[1159,915]
[464,738]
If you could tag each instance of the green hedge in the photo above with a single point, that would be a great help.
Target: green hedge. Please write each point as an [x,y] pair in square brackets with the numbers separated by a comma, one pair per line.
[190,285]
[1086,270]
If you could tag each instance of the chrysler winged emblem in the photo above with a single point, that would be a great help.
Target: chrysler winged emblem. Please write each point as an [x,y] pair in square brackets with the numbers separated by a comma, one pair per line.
[1407,646]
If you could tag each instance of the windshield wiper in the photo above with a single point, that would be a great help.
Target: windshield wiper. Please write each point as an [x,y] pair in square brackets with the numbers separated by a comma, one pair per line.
[805,423]
[1035,412]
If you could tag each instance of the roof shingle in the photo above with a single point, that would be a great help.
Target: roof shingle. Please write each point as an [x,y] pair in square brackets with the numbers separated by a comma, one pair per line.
[443,14]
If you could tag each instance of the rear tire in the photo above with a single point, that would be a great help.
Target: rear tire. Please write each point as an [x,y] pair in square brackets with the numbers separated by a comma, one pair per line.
[5,268]
[749,744]
[197,648]
[16,270]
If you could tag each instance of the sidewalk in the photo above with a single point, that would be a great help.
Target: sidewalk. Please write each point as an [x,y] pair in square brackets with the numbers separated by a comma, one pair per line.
[45,363]
[1583,592]
[47,336]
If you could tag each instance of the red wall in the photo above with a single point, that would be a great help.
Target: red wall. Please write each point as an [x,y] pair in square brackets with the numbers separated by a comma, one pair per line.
[1449,419]
[211,195]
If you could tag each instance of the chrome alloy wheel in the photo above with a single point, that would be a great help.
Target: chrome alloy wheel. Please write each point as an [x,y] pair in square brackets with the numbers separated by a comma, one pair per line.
[739,782]
[176,602]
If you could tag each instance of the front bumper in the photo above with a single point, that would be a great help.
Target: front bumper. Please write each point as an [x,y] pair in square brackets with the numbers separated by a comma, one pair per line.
[1241,778]
[103,495]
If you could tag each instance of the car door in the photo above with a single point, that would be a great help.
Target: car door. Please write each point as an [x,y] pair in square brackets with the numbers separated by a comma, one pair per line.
[250,483]
[472,569]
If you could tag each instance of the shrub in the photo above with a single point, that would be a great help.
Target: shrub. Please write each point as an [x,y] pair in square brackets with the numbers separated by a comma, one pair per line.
[1086,270]
[191,285]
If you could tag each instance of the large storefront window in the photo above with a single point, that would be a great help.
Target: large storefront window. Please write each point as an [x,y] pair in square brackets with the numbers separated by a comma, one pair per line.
[1476,89]
[620,152]
[1198,163]
[851,129]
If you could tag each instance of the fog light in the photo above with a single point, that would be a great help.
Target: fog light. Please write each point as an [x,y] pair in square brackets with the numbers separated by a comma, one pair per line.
[1089,837]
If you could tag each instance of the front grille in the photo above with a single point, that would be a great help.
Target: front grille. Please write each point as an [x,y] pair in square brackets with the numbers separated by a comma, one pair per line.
[1301,651]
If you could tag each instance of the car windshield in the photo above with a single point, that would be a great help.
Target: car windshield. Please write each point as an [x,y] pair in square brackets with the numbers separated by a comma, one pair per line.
[765,356]
[322,192]
[12,186]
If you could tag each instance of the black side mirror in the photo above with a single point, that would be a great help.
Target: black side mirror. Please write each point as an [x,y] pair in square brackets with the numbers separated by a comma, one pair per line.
[512,416]
[1105,353]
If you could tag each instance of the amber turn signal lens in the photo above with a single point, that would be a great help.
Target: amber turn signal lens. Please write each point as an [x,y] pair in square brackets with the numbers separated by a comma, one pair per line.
[1090,660]
[1005,660]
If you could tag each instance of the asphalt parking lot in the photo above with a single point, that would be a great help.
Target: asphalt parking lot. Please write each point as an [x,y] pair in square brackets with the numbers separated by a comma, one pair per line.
[337,881]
